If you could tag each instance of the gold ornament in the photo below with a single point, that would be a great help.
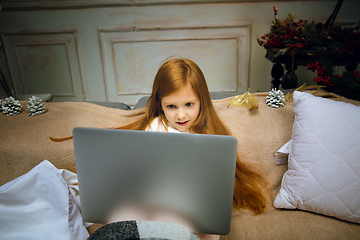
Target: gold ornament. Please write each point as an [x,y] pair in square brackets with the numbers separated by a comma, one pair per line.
[246,100]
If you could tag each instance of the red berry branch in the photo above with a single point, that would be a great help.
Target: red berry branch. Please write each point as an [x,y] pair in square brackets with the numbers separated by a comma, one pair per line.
[322,72]
[325,76]
[296,36]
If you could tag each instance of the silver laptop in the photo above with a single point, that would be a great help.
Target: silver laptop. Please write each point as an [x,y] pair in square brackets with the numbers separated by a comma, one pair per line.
[155,176]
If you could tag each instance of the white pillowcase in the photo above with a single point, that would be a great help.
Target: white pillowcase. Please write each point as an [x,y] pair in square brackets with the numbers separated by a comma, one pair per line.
[323,173]
[42,204]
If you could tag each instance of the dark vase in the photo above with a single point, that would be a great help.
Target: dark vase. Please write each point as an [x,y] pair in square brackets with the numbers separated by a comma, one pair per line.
[289,80]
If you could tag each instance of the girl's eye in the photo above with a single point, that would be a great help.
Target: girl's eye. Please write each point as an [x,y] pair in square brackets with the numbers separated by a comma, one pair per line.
[171,106]
[189,104]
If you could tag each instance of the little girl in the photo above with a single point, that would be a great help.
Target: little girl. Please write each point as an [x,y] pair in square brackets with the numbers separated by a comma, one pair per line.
[180,102]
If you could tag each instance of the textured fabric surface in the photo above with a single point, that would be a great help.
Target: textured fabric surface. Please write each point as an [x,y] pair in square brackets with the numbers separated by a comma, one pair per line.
[117,231]
[260,132]
[142,230]
[324,166]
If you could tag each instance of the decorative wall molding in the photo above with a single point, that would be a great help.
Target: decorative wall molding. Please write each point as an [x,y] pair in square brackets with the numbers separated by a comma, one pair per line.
[15,5]
[42,63]
[41,48]
[131,57]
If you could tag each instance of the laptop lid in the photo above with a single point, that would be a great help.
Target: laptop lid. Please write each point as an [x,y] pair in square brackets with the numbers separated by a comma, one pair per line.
[155,176]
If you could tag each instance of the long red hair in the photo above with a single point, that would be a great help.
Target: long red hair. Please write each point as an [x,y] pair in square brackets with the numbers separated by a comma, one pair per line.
[250,187]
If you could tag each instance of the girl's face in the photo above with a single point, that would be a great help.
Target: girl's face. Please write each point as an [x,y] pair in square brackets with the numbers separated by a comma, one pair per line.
[181,108]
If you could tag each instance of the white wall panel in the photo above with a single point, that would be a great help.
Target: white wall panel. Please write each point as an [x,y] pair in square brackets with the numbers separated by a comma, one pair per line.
[131,58]
[110,50]
[45,63]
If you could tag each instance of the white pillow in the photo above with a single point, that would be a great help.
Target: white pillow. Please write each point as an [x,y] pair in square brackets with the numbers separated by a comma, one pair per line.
[41,204]
[323,173]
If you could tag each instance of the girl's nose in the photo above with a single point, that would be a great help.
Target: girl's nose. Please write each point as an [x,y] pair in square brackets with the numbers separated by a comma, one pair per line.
[181,114]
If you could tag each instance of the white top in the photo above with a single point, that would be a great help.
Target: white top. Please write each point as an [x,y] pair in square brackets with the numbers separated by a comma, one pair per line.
[157,126]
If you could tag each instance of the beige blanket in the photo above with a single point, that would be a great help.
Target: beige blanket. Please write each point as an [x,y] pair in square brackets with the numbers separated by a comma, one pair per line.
[25,142]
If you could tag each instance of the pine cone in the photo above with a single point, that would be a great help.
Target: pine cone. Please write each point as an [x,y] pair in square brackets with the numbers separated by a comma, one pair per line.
[10,106]
[275,99]
[36,107]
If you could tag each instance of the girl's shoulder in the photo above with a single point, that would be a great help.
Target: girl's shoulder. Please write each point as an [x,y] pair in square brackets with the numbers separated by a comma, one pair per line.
[155,126]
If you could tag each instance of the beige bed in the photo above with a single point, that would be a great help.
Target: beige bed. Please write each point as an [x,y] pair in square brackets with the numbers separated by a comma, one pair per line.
[260,132]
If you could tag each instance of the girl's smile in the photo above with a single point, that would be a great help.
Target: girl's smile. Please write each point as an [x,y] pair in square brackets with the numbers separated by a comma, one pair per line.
[181,108]
[182,123]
